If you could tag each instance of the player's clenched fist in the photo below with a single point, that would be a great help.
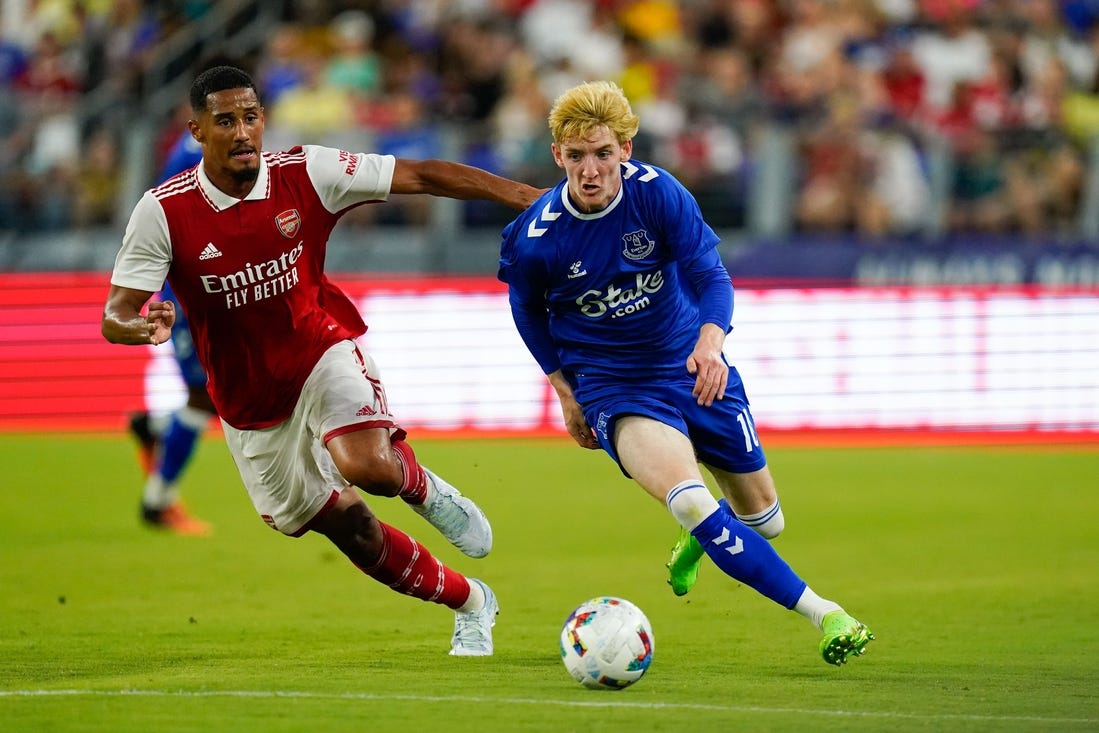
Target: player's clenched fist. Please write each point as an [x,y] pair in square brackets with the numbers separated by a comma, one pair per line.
[160,319]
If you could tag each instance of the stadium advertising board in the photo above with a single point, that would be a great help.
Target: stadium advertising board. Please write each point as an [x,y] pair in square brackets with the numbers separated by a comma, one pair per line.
[995,360]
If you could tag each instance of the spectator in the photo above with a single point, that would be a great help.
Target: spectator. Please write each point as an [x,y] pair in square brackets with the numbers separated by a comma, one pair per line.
[980,200]
[656,23]
[52,70]
[314,111]
[518,122]
[905,83]
[706,74]
[97,182]
[13,60]
[1048,168]
[810,59]
[407,134]
[49,162]
[473,58]
[353,66]
[952,51]
[832,171]
[132,32]
[1080,114]
[898,196]
[281,68]
[720,85]
[1047,37]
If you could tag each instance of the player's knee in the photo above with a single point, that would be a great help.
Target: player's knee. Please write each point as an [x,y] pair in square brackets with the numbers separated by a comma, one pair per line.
[772,526]
[377,472]
[377,479]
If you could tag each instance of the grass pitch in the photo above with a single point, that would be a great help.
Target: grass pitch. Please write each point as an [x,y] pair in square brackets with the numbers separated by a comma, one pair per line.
[977,568]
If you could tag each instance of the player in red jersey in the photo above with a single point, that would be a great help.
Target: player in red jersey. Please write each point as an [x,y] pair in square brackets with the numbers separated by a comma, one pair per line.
[242,240]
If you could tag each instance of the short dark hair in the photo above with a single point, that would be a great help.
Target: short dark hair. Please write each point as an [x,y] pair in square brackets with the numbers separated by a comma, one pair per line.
[218,79]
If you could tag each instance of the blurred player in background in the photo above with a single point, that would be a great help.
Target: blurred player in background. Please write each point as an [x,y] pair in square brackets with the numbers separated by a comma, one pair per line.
[168,447]
[617,289]
[241,239]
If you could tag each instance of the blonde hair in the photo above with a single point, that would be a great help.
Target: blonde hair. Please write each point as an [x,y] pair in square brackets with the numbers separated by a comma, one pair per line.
[577,113]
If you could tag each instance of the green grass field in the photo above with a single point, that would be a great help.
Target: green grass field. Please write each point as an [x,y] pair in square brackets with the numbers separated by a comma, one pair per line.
[978,569]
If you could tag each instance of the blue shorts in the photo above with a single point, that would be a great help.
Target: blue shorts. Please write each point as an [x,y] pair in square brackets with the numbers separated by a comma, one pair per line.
[723,434]
[189,367]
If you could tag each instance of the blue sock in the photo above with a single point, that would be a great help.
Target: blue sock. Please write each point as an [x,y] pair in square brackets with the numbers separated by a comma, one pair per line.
[177,443]
[745,556]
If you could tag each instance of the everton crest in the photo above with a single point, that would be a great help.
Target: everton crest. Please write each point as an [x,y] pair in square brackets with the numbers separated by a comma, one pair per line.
[638,245]
[288,222]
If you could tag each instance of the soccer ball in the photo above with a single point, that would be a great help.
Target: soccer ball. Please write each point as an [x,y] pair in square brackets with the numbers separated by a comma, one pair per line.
[607,643]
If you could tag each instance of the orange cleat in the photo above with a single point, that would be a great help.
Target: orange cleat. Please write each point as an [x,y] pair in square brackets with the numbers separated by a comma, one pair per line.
[174,518]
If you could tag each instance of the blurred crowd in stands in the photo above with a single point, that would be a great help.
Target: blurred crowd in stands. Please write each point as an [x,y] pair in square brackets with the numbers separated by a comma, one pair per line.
[868,107]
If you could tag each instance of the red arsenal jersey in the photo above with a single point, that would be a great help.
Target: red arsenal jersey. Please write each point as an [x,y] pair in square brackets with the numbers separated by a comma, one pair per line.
[250,272]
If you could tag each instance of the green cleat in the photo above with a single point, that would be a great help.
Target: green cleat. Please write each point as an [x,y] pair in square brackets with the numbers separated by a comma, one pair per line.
[683,567]
[844,637]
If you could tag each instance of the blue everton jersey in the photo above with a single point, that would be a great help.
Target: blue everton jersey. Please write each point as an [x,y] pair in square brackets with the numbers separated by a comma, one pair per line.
[614,292]
[186,153]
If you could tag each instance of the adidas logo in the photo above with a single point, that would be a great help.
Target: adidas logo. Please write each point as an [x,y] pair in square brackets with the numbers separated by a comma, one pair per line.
[209,252]
[366,411]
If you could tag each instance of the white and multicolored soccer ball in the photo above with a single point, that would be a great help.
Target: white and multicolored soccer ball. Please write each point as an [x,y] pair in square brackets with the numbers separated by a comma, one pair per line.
[607,643]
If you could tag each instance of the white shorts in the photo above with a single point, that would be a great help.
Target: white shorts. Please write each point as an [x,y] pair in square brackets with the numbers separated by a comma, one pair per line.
[289,474]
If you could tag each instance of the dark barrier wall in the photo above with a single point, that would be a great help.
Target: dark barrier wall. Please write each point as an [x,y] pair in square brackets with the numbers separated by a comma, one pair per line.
[956,261]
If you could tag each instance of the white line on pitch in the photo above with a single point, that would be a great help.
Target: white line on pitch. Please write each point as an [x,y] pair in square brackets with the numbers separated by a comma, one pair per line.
[290,694]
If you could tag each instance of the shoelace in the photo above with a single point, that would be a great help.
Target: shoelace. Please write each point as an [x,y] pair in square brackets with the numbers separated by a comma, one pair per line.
[469,629]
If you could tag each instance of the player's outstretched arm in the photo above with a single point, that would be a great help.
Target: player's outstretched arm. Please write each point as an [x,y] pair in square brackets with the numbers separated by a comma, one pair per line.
[123,323]
[459,181]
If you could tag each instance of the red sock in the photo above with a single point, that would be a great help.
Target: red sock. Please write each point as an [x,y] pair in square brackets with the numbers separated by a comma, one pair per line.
[407,567]
[414,488]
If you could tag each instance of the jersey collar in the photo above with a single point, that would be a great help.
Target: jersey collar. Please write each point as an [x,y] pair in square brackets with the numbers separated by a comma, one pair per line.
[221,200]
[596,215]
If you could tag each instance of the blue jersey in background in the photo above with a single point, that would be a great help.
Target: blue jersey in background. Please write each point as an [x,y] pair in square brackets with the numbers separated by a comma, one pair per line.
[185,154]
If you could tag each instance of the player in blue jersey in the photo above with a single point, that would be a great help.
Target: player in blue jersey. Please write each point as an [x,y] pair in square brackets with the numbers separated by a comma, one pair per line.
[617,289]
[167,448]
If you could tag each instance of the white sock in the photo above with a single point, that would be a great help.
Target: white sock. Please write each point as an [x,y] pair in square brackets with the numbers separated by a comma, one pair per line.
[690,502]
[476,600]
[814,608]
[157,494]
[433,483]
[159,423]
[194,418]
[768,523]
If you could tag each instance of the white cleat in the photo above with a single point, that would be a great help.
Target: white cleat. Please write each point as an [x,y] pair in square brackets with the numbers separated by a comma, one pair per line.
[473,630]
[455,516]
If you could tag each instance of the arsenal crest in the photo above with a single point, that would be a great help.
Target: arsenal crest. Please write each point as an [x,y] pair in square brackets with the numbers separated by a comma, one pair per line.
[288,222]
